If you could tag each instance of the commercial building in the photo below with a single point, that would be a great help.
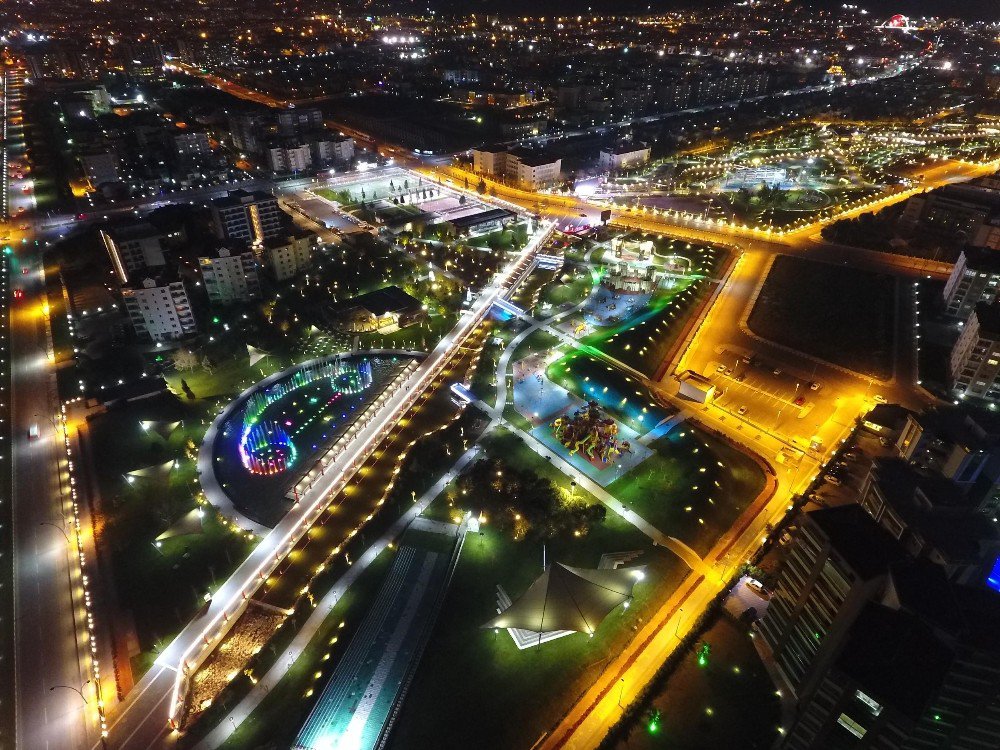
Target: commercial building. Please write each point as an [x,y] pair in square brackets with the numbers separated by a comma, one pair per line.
[975,278]
[250,217]
[132,247]
[523,167]
[488,220]
[975,358]
[230,275]
[159,308]
[385,308]
[623,156]
[286,257]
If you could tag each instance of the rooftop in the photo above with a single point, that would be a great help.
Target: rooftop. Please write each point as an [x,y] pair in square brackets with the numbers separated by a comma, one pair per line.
[858,539]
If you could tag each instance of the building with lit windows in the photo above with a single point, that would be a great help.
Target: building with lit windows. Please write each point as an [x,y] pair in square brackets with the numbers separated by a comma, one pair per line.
[159,307]
[837,561]
[230,275]
[975,278]
[975,357]
[250,217]
[287,257]
[624,156]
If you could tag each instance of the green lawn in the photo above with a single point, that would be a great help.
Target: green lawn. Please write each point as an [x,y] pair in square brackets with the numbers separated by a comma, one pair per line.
[466,669]
[729,703]
[692,488]
[472,683]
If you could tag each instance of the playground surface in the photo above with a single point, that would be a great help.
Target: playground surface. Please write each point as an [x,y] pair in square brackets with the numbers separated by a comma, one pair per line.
[541,401]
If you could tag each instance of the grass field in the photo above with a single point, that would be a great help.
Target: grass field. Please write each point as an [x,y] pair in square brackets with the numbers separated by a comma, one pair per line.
[709,707]
[466,667]
[855,311]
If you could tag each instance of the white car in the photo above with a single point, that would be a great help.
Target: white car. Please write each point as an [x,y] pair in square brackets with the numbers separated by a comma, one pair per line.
[879,398]
[33,431]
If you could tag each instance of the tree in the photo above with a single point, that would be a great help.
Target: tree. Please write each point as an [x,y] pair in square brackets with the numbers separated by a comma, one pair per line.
[184,360]
[461,201]
[481,187]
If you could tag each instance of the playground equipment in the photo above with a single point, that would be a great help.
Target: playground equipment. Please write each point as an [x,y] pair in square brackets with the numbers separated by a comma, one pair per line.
[590,433]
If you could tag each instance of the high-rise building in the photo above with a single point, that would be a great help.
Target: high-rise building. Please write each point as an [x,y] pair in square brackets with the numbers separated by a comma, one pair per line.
[838,560]
[133,247]
[975,357]
[100,166]
[159,308]
[288,256]
[250,217]
[975,278]
[230,275]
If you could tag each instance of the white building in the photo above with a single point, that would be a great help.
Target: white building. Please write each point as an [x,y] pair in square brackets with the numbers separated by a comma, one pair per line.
[133,247]
[159,308]
[288,257]
[230,275]
[326,150]
[975,358]
[288,158]
[624,156]
[489,160]
[532,170]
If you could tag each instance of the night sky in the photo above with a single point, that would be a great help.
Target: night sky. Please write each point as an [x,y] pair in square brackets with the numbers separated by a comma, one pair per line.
[988,10]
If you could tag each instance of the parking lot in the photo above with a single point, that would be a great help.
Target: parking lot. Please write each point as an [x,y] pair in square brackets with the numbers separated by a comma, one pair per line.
[765,395]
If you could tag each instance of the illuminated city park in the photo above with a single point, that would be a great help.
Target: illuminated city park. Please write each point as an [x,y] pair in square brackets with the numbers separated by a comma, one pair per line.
[379,376]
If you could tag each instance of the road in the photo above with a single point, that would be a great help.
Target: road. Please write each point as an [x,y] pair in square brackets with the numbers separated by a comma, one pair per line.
[55,697]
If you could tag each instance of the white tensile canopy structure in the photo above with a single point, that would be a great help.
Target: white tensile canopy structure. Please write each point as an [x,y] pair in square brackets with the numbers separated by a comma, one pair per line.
[565,598]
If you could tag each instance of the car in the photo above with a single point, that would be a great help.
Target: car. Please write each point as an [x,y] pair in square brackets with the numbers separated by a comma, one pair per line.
[758,588]
[799,401]
[833,479]
[33,431]
[814,386]
[23,227]
[740,378]
[720,368]
[747,359]
[729,371]
[18,294]
[850,456]
[742,410]
[24,270]
[879,398]
[777,370]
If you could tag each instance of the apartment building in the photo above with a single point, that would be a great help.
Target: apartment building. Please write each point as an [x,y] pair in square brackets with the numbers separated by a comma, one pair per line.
[133,247]
[248,216]
[975,278]
[159,307]
[230,275]
[975,357]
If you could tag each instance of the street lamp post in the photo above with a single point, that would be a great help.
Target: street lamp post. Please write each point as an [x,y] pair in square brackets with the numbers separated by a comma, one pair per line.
[677,625]
[75,690]
[621,690]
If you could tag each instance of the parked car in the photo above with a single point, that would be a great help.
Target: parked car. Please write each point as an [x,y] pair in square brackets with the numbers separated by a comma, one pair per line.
[833,479]
[879,398]
[33,431]
[814,386]
[777,370]
[742,410]
[799,401]
[720,368]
